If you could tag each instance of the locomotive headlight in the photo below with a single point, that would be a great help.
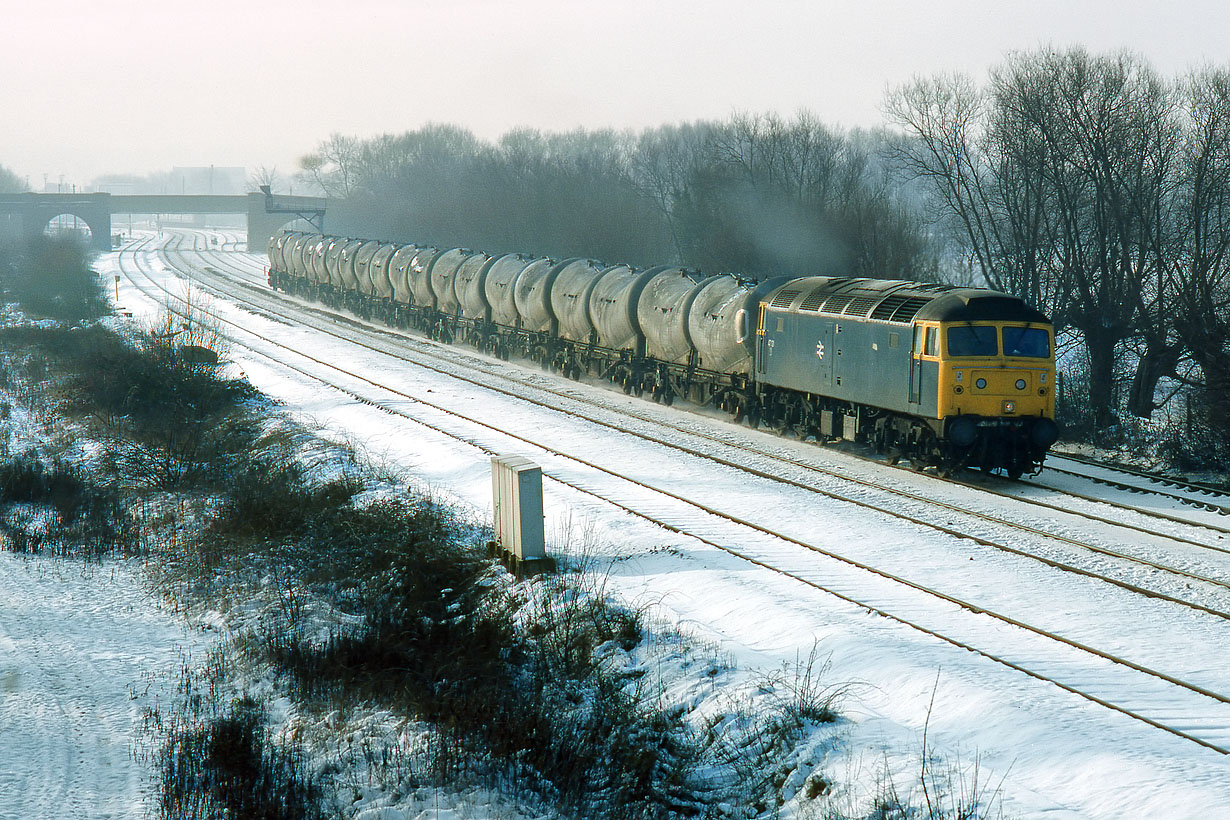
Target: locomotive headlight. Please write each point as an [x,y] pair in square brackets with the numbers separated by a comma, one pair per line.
[1020,384]
[1009,407]
[980,384]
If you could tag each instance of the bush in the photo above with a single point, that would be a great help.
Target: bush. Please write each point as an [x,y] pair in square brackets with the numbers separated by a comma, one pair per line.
[51,277]
[90,520]
[227,766]
[175,418]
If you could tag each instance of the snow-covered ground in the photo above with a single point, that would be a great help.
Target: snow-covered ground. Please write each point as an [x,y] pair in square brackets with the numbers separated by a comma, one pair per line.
[85,651]
[1047,752]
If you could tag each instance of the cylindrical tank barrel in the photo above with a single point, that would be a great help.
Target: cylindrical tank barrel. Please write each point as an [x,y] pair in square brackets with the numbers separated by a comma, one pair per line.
[612,308]
[378,271]
[440,279]
[347,276]
[399,273]
[314,259]
[719,322]
[662,314]
[274,250]
[502,272]
[570,298]
[420,276]
[361,262]
[334,262]
[532,293]
[468,286]
[295,252]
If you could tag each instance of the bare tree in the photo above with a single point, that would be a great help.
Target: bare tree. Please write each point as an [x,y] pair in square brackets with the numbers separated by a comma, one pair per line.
[1059,177]
[334,166]
[10,183]
[265,175]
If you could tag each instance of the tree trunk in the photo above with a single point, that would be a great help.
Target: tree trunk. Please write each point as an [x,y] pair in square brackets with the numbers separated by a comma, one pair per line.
[1158,362]
[1101,348]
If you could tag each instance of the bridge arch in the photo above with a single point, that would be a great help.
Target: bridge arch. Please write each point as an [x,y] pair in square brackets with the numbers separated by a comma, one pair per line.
[69,223]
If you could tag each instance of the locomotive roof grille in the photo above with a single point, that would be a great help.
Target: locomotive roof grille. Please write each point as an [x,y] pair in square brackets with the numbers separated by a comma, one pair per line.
[784,298]
[835,304]
[861,305]
[885,310]
[906,313]
[814,299]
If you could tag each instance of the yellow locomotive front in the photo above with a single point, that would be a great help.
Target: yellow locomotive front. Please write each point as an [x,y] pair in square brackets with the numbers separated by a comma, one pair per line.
[996,390]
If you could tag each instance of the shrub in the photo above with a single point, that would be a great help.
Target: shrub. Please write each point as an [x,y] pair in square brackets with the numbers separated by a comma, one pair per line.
[51,277]
[227,766]
[90,520]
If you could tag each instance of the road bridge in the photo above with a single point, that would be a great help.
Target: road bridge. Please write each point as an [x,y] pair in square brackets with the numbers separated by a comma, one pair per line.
[266,213]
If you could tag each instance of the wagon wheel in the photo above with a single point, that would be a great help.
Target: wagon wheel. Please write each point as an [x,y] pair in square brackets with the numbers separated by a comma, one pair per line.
[753,417]
[782,424]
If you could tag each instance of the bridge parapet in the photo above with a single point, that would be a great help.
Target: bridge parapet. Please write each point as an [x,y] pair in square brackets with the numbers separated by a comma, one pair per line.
[35,211]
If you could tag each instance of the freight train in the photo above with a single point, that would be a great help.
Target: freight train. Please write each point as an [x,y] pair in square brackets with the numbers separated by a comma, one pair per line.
[943,376]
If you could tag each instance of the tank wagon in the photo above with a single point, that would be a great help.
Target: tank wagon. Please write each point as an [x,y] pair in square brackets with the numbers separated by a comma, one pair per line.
[944,376]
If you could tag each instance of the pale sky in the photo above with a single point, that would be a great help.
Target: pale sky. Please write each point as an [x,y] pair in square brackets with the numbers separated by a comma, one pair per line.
[89,87]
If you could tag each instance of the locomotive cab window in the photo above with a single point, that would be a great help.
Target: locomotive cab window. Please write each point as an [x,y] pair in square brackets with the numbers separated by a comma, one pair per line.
[925,341]
[1028,342]
[973,340]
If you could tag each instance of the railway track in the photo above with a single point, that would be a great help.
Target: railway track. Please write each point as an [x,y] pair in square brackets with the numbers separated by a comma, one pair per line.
[890,594]
[254,276]
[920,501]
[1192,494]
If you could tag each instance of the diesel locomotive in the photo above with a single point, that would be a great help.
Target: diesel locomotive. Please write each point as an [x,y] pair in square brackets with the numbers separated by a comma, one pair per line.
[944,376]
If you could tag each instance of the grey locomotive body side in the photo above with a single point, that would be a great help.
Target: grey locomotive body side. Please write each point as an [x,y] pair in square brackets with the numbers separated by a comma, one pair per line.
[847,359]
